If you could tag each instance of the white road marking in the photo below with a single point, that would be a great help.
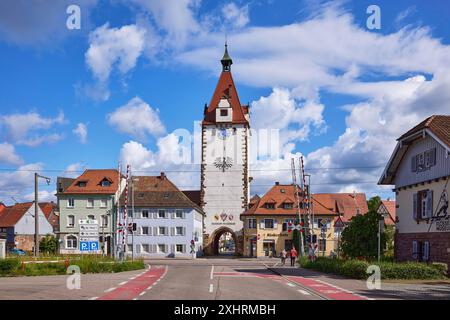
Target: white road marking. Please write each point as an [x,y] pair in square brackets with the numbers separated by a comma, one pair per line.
[135,298]
[132,278]
[290,284]
[142,293]
[212,272]
[149,287]
[122,283]
[110,289]
[93,298]
[304,292]
[211,288]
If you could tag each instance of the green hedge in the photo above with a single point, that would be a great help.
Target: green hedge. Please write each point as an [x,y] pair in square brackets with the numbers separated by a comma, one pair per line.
[14,267]
[389,270]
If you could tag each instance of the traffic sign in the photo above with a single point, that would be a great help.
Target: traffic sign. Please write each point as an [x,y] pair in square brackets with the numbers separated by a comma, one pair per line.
[89,236]
[338,223]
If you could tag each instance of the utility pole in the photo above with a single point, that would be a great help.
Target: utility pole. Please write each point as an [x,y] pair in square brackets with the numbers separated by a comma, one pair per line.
[36,211]
[294,182]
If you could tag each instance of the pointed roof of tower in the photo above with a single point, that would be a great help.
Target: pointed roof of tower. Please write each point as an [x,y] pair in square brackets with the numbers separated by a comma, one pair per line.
[226,89]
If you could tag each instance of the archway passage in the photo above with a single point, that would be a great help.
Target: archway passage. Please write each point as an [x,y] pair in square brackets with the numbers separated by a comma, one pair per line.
[224,242]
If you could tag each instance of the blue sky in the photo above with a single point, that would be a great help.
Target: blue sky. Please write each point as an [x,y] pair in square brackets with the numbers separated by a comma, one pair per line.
[312,66]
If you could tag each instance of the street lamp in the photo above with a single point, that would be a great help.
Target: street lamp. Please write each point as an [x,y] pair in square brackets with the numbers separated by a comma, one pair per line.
[380,230]
[36,212]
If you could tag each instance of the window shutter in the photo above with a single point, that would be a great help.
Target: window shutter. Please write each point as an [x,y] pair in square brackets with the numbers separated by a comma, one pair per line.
[184,231]
[149,231]
[414,249]
[173,248]
[433,157]
[166,248]
[275,223]
[173,214]
[155,231]
[184,248]
[415,206]
[429,203]
[184,215]
[426,251]
[138,248]
[155,215]
[263,225]
[172,231]
[414,164]
[166,231]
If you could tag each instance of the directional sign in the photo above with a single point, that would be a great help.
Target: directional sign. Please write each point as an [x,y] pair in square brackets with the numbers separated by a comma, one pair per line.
[89,237]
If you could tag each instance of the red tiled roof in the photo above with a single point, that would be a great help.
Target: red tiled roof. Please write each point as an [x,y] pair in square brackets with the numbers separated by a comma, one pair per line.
[226,88]
[193,195]
[390,207]
[48,208]
[93,179]
[344,204]
[11,215]
[438,124]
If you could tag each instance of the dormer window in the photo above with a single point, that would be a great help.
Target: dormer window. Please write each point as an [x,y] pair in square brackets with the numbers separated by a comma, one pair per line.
[105,183]
[81,184]
[224,113]
[141,195]
[288,205]
[270,205]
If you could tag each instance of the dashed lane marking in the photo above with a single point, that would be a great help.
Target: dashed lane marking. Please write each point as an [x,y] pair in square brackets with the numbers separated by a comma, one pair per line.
[110,289]
[306,293]
[211,288]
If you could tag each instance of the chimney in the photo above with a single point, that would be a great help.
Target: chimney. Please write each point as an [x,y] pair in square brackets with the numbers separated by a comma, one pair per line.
[277,183]
[163,176]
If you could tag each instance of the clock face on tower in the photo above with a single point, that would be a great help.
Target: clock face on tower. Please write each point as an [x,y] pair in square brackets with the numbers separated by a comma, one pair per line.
[223,163]
[223,134]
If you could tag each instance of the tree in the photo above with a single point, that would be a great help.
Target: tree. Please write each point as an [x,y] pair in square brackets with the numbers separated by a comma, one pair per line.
[360,237]
[48,244]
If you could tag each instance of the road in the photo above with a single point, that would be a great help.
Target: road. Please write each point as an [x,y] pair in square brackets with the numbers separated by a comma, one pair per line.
[211,279]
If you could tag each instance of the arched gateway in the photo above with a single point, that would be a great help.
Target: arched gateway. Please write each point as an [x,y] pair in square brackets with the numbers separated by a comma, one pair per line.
[224,178]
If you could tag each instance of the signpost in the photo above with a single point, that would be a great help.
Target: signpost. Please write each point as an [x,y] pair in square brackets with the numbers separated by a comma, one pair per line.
[89,236]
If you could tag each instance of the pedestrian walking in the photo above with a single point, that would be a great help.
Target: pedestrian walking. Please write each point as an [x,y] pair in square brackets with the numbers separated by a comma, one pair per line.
[293,256]
[283,257]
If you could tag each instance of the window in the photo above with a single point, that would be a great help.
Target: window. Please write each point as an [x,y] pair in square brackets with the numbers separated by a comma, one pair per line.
[141,195]
[288,205]
[223,112]
[252,223]
[270,205]
[90,203]
[161,248]
[423,161]
[144,231]
[268,223]
[70,221]
[166,195]
[161,213]
[179,214]
[91,217]
[179,248]
[130,248]
[70,203]
[144,214]
[106,183]
[145,248]
[103,203]
[415,250]
[179,231]
[426,251]
[71,242]
[423,204]
[104,221]
[162,231]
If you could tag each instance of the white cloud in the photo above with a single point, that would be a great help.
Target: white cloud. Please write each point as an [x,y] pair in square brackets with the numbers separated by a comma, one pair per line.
[137,156]
[43,196]
[74,170]
[137,119]
[81,131]
[174,17]
[110,47]
[16,183]
[235,16]
[22,128]
[8,154]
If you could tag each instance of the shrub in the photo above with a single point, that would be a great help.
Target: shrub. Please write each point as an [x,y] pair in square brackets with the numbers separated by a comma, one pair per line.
[356,269]
[8,266]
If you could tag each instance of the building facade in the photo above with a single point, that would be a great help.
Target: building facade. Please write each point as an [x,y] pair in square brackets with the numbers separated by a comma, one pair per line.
[93,196]
[266,222]
[225,162]
[17,226]
[167,222]
[420,170]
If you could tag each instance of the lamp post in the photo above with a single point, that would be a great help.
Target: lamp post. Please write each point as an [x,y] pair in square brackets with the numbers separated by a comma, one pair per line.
[380,229]
[36,212]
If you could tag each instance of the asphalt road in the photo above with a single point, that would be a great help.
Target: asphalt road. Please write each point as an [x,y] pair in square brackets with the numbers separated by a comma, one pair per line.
[211,279]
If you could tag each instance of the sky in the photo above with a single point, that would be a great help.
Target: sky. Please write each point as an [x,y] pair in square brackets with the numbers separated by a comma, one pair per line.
[132,81]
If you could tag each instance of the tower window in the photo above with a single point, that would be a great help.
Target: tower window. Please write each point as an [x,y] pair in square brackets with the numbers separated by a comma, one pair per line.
[223,113]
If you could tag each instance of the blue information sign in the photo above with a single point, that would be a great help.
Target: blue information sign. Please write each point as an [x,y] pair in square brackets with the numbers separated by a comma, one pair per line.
[89,246]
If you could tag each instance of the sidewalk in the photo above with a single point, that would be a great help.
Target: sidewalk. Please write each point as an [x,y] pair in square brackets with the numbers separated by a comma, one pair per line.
[389,290]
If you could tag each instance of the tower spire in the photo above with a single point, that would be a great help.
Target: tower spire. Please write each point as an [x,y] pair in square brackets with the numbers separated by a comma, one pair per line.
[226,59]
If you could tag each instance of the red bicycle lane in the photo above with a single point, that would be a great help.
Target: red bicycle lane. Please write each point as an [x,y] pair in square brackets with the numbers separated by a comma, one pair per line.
[137,286]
